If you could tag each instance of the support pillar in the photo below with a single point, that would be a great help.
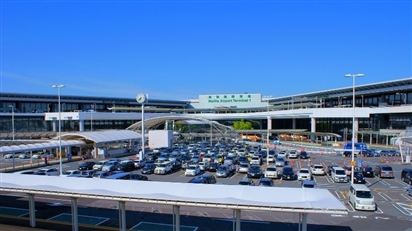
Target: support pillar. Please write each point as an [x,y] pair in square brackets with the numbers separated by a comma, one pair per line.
[55,126]
[269,122]
[304,221]
[312,127]
[75,218]
[236,220]
[32,211]
[81,125]
[176,218]
[356,129]
[293,123]
[122,216]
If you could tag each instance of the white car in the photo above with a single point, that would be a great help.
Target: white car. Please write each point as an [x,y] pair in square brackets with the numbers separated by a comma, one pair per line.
[72,173]
[98,166]
[304,174]
[293,154]
[317,169]
[280,162]
[271,172]
[271,158]
[244,168]
[203,166]
[255,160]
[163,168]
[48,172]
[192,170]
[9,156]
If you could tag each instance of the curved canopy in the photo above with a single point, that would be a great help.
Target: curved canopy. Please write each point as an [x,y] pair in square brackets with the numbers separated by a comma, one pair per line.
[103,136]
[273,199]
[40,146]
[154,122]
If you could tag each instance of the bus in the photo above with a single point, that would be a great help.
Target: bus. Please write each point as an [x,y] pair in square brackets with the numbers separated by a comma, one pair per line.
[359,146]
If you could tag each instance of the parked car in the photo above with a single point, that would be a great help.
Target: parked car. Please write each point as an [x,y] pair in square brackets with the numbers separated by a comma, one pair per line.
[48,172]
[72,173]
[243,167]
[210,179]
[317,169]
[367,171]
[86,165]
[213,167]
[280,162]
[255,171]
[197,180]
[246,181]
[308,184]
[303,155]
[139,164]
[148,168]
[204,166]
[383,171]
[304,174]
[126,165]
[136,176]
[406,175]
[267,182]
[192,170]
[409,191]
[223,171]
[99,165]
[86,174]
[110,166]
[358,177]
[288,173]
[101,174]
[271,172]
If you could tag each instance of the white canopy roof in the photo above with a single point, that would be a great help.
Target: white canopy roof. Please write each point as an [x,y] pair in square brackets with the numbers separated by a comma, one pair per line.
[40,146]
[104,136]
[406,139]
[199,195]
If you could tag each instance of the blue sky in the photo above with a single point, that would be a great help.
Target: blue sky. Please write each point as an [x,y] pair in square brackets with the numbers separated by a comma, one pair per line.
[180,49]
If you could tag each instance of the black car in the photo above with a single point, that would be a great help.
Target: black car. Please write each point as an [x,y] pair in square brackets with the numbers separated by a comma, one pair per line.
[406,175]
[126,166]
[213,167]
[367,171]
[246,181]
[267,182]
[303,155]
[198,180]
[148,169]
[210,179]
[288,173]
[86,165]
[329,168]
[136,176]
[176,165]
[255,171]
[358,177]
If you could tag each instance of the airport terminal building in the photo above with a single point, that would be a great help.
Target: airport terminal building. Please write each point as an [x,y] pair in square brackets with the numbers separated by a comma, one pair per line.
[383,110]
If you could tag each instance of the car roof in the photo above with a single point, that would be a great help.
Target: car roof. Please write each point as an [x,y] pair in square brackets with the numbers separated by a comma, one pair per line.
[265,179]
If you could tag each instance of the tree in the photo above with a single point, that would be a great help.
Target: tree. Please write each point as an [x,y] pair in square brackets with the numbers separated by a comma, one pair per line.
[242,125]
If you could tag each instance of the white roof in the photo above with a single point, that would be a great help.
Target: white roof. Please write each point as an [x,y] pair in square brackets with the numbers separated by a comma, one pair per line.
[104,136]
[198,195]
[40,146]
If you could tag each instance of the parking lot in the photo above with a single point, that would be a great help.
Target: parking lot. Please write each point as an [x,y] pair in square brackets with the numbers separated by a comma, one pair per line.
[394,206]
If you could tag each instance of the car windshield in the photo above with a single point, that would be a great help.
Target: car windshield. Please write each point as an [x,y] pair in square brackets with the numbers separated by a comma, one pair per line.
[280,159]
[67,172]
[304,171]
[340,172]
[364,194]
[254,167]
[192,167]
[244,182]
[222,168]
[287,170]
[318,167]
[271,169]
[244,165]
[387,168]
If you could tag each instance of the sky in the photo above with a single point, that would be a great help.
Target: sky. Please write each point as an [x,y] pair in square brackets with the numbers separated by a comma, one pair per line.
[183,49]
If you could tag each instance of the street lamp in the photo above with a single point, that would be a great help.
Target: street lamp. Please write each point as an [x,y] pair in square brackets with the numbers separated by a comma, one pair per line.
[211,134]
[403,95]
[59,86]
[353,76]
[12,120]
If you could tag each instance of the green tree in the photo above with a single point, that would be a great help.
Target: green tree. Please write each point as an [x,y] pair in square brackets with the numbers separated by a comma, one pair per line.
[242,125]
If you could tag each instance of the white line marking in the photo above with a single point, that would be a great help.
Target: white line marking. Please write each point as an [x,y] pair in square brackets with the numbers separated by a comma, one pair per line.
[408,198]
[342,194]
[378,210]
[351,208]
[337,194]
[401,209]
[385,197]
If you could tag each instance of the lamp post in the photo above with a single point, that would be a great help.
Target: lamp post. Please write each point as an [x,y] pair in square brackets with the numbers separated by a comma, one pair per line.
[92,106]
[403,95]
[12,121]
[211,134]
[353,76]
[59,86]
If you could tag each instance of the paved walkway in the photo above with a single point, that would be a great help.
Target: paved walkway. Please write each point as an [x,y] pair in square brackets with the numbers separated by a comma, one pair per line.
[20,228]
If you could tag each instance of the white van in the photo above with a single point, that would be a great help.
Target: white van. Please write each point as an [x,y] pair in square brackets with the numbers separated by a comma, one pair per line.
[361,197]
[338,174]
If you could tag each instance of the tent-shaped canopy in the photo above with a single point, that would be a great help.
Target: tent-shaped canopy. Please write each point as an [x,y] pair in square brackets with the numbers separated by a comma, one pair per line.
[40,146]
[103,136]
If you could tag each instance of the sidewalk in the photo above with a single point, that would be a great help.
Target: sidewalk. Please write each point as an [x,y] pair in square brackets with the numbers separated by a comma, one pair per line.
[20,228]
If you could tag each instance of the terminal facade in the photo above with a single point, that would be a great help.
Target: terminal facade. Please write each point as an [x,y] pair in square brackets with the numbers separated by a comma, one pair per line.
[380,107]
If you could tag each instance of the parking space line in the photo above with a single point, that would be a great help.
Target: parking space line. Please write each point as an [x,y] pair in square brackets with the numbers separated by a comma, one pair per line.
[385,197]
[337,194]
[401,209]
[346,205]
[402,183]
[408,198]
[378,210]
[343,194]
[329,179]
[383,182]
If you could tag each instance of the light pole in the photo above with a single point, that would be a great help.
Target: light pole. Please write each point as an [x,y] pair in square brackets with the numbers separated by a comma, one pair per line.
[403,95]
[12,121]
[59,86]
[353,76]
[211,134]
[91,116]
